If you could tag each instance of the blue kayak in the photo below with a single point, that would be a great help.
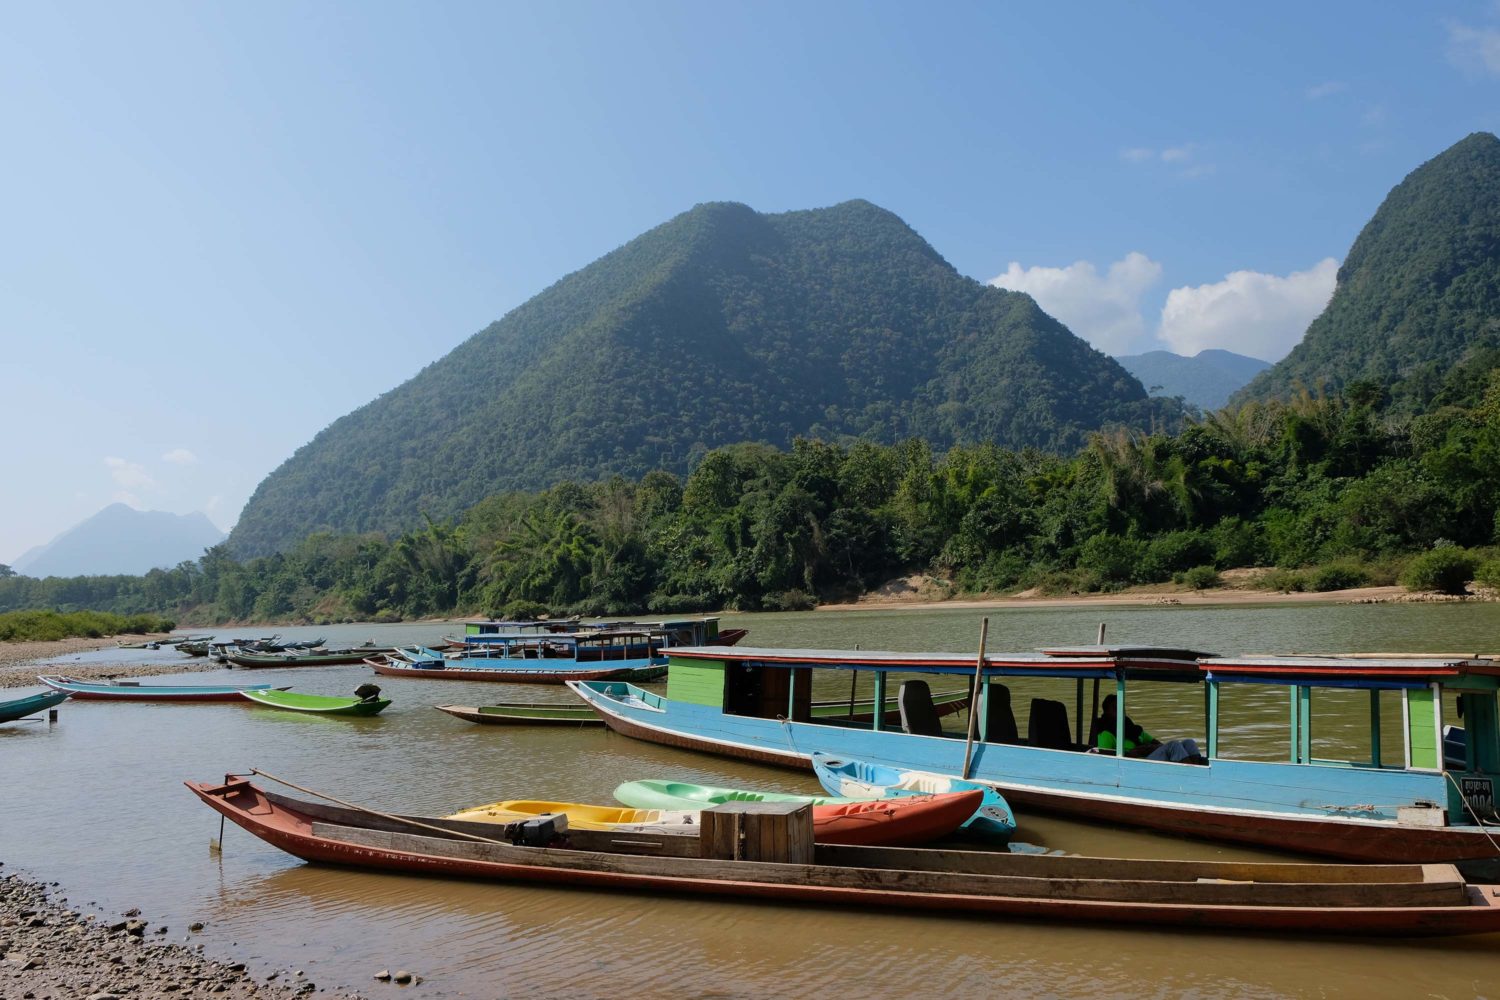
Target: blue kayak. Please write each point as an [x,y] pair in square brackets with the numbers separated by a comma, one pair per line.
[855,779]
[10,711]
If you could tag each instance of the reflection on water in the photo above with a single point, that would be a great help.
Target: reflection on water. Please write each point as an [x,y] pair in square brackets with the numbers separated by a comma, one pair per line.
[96,802]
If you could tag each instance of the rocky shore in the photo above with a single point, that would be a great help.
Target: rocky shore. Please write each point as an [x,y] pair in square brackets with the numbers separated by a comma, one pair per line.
[51,952]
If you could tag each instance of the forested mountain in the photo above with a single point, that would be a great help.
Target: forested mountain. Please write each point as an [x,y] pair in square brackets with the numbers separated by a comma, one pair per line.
[1207,379]
[121,539]
[1419,291]
[722,325]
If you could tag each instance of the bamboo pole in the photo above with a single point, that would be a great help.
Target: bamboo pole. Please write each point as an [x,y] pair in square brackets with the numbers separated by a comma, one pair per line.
[984,634]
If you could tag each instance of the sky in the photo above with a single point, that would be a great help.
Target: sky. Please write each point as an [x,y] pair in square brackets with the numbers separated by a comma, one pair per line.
[226,225]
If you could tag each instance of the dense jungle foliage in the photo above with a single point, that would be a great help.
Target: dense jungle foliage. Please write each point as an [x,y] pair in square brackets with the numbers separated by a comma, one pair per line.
[722,325]
[1418,292]
[1332,491]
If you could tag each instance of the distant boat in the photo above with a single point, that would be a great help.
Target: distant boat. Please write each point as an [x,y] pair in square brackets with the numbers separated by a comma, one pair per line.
[122,690]
[318,704]
[19,708]
[532,713]
[522,671]
[316,658]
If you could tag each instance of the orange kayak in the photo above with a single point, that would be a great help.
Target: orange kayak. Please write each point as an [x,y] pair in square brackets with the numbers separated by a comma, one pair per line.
[902,822]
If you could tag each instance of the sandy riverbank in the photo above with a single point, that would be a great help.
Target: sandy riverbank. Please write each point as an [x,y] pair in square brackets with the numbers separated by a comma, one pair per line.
[49,951]
[1140,597]
[20,662]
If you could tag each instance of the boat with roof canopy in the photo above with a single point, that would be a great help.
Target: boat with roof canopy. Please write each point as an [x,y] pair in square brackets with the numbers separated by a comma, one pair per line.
[1399,802]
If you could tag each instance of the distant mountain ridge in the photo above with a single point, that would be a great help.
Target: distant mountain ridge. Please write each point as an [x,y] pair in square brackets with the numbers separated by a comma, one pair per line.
[122,540]
[1419,291]
[718,326]
[1207,379]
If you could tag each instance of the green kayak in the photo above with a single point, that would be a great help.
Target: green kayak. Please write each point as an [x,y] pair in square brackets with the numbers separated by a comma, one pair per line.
[679,795]
[316,703]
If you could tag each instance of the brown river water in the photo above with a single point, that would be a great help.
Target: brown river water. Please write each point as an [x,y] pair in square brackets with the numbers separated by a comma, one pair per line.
[96,803]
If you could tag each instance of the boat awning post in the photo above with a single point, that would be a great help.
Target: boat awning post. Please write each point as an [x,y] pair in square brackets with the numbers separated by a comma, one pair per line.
[879,700]
[983,708]
[1375,726]
[1294,716]
[1078,713]
[791,694]
[1120,713]
[1304,723]
[1211,693]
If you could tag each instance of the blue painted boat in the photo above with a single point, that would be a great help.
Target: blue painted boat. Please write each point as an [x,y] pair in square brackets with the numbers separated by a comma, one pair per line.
[1399,803]
[856,779]
[19,708]
[124,690]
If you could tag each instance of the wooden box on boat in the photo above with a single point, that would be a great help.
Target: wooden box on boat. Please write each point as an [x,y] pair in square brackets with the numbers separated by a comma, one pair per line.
[758,831]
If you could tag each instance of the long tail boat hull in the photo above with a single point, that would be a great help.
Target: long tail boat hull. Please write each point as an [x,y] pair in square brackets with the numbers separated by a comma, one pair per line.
[523,674]
[84,691]
[19,708]
[1328,899]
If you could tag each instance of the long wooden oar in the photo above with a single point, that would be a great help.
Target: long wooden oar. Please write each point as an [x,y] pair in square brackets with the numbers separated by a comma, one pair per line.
[984,633]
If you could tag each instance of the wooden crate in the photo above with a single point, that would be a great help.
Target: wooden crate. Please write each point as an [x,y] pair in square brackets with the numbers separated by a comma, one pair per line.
[758,831]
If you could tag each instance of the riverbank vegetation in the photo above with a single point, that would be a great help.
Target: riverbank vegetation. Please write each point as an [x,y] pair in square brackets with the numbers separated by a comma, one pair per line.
[46,626]
[1328,491]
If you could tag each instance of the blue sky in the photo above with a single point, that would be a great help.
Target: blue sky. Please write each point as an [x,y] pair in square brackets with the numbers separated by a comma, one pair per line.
[227,225]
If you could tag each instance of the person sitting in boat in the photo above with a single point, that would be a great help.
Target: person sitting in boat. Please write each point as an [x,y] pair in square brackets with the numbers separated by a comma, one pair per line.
[1138,742]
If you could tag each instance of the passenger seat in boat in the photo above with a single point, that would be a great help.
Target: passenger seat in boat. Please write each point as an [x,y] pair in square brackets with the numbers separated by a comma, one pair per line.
[1000,721]
[918,715]
[1048,726]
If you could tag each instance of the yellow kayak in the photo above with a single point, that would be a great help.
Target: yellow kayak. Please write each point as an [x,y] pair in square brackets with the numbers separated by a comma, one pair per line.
[606,819]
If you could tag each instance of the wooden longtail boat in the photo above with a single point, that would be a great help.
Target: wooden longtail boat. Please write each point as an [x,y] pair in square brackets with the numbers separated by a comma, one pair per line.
[323,658]
[1300,899]
[1398,804]
[532,713]
[317,704]
[19,708]
[854,779]
[122,690]
[524,671]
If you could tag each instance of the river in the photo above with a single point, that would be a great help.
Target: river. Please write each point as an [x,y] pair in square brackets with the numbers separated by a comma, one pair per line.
[96,803]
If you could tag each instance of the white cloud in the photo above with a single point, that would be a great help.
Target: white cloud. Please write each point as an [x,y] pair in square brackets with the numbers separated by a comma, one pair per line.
[1183,158]
[1176,154]
[1137,154]
[1476,51]
[1104,309]
[179,456]
[129,475]
[1262,315]
[1326,89]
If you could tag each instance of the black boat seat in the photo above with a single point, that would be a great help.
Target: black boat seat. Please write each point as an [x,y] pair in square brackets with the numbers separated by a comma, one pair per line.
[999,719]
[1048,725]
[918,715]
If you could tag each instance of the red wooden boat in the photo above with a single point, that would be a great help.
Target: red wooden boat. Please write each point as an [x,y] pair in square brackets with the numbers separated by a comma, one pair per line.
[1394,900]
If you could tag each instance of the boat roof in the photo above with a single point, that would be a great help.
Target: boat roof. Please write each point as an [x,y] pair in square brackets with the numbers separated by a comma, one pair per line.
[1164,662]
[1149,660]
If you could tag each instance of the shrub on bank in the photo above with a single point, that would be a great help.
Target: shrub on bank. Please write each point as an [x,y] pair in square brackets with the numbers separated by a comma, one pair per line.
[1336,576]
[1446,570]
[1199,577]
[46,626]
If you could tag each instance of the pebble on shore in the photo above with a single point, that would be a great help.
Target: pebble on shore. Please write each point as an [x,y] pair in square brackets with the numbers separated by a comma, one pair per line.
[49,951]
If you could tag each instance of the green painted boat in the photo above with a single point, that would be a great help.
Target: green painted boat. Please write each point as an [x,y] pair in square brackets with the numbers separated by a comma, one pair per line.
[317,704]
[10,711]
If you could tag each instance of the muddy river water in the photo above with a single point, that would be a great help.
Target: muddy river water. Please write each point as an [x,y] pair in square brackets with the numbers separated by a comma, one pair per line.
[96,803]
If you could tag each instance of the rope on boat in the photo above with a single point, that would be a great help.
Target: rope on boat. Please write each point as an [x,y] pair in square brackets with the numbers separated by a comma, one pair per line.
[376,812]
[1472,812]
